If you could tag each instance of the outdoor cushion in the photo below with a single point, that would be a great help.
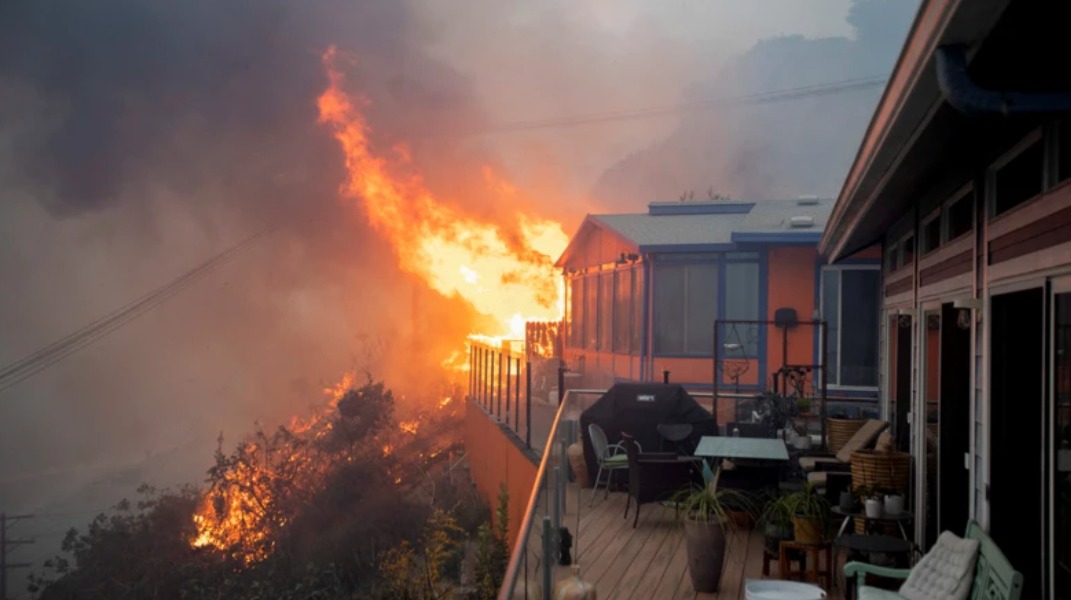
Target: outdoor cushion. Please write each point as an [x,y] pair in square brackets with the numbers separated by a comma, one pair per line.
[810,463]
[945,573]
[863,438]
[872,593]
[817,478]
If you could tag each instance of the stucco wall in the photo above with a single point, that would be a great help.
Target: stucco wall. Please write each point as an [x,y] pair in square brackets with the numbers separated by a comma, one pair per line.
[496,456]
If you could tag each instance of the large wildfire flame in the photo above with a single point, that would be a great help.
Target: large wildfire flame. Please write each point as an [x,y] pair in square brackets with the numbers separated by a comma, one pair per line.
[453,252]
[508,277]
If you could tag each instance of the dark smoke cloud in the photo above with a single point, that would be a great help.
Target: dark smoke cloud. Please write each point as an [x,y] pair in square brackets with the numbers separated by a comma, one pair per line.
[776,150]
[137,139]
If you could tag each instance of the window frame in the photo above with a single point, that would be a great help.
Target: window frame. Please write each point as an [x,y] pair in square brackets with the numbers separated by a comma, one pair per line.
[840,314]
[924,237]
[719,260]
[964,194]
[714,260]
[1034,137]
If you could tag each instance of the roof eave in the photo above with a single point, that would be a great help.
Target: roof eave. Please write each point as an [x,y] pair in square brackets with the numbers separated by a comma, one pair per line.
[925,33]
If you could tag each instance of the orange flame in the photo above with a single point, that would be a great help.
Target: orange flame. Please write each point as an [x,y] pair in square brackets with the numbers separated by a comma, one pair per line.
[454,253]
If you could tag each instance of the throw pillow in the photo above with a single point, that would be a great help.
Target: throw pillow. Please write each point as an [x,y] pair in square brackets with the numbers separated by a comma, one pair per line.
[945,573]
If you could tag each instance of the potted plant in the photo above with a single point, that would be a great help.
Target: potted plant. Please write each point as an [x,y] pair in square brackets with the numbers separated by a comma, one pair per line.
[871,499]
[775,410]
[810,514]
[894,502]
[706,520]
[776,523]
[848,501]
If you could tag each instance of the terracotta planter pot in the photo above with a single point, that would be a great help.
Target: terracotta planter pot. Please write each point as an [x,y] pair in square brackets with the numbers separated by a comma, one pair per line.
[706,553]
[808,530]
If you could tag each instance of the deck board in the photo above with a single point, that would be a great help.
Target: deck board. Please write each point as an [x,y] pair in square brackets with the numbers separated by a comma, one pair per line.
[649,561]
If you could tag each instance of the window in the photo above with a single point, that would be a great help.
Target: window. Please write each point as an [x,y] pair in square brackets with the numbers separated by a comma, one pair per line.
[907,251]
[622,310]
[741,303]
[606,311]
[576,312]
[591,312]
[960,216]
[637,308]
[931,234]
[1020,179]
[851,302]
[685,304]
[1063,151]
[891,256]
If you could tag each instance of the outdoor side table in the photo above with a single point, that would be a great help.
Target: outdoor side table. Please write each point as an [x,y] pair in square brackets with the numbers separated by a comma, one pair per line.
[899,519]
[875,544]
[811,569]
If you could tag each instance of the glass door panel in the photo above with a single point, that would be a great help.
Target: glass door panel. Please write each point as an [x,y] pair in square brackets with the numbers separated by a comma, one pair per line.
[1061,441]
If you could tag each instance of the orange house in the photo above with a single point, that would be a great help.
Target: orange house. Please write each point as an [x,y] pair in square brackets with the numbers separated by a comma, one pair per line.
[643,293]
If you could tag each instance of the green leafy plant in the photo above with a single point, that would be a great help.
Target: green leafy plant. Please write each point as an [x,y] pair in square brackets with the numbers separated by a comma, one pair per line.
[706,504]
[776,512]
[863,491]
[808,503]
[492,552]
[776,410]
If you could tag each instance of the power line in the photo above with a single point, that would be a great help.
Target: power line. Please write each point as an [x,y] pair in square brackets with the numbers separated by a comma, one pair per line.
[822,89]
[40,360]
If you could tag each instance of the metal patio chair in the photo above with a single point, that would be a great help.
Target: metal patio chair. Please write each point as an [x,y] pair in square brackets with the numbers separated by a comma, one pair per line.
[610,457]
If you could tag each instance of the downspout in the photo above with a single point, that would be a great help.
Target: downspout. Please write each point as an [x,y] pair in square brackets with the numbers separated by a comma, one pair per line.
[968,98]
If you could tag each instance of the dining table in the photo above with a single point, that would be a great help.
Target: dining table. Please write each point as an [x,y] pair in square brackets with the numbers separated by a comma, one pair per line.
[719,447]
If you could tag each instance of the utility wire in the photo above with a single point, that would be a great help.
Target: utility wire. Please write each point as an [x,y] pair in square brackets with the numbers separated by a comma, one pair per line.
[53,353]
[822,89]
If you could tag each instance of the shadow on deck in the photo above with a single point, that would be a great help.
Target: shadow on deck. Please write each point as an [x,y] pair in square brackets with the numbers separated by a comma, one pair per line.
[649,561]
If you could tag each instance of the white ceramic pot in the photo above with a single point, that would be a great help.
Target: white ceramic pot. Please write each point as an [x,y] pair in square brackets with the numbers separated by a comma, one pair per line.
[873,508]
[894,504]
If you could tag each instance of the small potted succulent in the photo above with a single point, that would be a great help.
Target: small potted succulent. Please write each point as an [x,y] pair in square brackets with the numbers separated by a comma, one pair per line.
[871,499]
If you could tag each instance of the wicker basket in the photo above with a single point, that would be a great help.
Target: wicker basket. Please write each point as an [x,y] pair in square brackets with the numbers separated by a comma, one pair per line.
[888,470]
[839,431]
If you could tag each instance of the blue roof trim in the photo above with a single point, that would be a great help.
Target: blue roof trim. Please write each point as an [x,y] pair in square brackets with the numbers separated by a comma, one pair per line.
[777,237]
[699,208]
[668,248]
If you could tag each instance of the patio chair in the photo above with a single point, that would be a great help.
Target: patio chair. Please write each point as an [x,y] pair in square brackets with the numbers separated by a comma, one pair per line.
[656,476]
[817,466]
[954,568]
[610,458]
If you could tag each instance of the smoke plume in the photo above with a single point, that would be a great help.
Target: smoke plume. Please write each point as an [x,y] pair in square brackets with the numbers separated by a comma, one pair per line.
[138,138]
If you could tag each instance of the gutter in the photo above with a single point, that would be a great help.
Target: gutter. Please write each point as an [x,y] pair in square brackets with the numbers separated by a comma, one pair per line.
[974,101]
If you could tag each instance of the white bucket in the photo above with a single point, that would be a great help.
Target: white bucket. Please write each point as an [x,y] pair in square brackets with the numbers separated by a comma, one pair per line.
[762,589]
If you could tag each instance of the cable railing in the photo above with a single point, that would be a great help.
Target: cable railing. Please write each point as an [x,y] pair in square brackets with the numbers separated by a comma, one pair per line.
[531,567]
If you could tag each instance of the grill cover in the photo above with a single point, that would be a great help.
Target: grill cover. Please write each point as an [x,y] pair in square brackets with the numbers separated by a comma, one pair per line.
[638,409]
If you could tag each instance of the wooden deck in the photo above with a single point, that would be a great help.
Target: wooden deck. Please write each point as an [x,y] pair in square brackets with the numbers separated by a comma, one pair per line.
[646,562]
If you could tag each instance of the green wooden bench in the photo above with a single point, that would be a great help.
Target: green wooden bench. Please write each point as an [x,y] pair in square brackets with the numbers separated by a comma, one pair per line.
[994,576]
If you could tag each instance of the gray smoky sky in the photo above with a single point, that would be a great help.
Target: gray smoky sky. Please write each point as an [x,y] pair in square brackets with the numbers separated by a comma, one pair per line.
[140,137]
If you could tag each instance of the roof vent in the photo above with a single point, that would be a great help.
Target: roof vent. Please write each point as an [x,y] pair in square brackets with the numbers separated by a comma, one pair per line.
[801,222]
[807,201]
